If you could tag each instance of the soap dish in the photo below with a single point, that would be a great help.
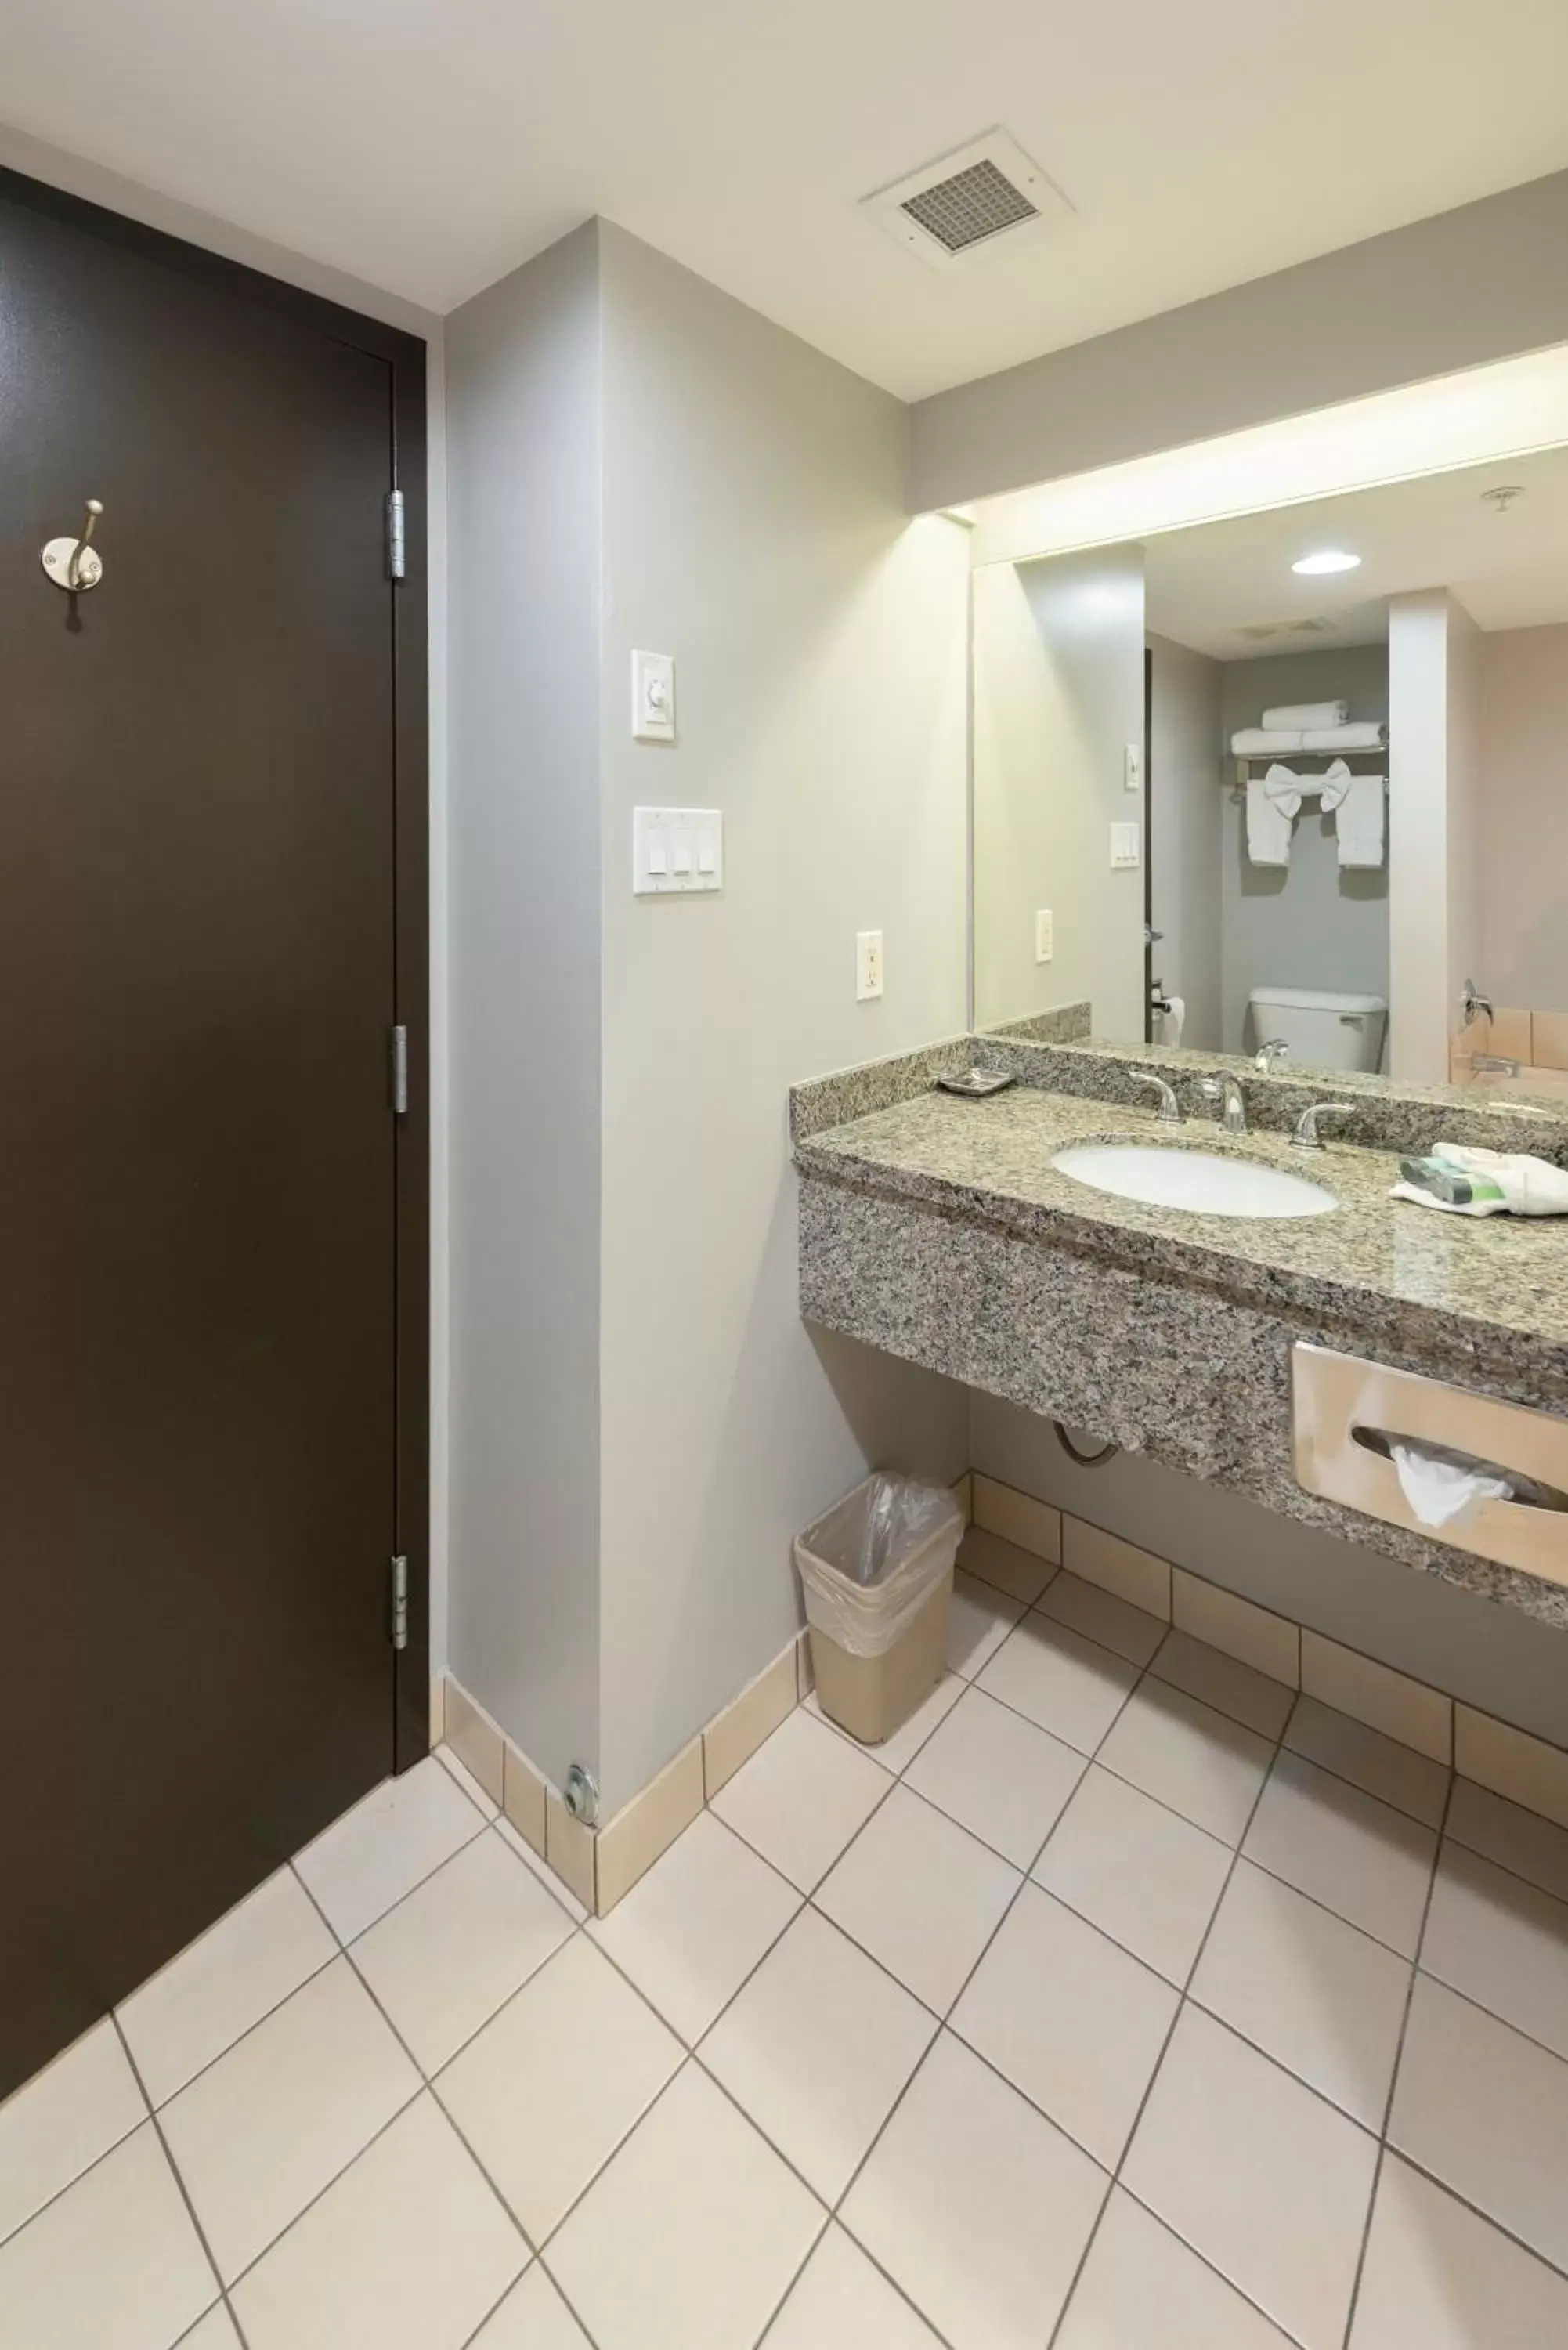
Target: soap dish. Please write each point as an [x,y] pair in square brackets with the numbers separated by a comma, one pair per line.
[975,1084]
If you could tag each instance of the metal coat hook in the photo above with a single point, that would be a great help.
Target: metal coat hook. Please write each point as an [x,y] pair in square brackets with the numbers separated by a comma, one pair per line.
[74,564]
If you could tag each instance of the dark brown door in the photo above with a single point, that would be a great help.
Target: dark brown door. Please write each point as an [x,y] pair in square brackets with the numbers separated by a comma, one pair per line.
[197,1182]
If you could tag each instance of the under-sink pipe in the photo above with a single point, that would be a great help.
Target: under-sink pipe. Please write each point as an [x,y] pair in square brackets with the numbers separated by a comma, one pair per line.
[1085,1459]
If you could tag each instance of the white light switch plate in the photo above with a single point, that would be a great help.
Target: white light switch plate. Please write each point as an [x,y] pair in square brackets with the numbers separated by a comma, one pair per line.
[867,965]
[1123,847]
[653,697]
[1044,938]
[1132,767]
[677,852]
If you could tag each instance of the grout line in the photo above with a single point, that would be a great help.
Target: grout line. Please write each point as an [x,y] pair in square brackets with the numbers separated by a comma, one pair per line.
[1329,1771]
[88,2167]
[179,2178]
[1165,2047]
[1477,1853]
[1543,2047]
[1025,1878]
[567,2303]
[506,2296]
[692,2051]
[427,2084]
[1488,2218]
[1394,2076]
[1121,2188]
[240,2037]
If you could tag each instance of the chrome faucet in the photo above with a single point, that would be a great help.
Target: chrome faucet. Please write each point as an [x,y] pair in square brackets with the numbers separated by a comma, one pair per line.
[1226,1090]
[1169,1107]
[1276,1049]
[1306,1136]
[1473,1005]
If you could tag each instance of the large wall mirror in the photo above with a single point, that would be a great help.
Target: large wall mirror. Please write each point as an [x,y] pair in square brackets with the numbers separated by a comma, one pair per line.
[1291,783]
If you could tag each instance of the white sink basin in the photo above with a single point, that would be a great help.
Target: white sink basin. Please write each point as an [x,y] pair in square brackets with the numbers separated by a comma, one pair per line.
[1197,1180]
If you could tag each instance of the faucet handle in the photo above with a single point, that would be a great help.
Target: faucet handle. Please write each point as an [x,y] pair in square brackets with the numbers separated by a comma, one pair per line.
[1276,1049]
[1306,1136]
[1169,1107]
[1226,1090]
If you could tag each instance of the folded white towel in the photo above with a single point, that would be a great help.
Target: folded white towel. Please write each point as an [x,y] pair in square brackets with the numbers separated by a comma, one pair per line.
[1272,802]
[1262,742]
[1358,819]
[1365,734]
[1301,716]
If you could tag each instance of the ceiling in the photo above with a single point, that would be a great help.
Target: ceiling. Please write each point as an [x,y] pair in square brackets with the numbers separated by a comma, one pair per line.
[429,146]
[1510,570]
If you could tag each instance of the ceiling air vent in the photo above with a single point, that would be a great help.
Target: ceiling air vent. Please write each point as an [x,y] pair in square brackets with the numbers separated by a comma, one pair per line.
[970,203]
[1260,631]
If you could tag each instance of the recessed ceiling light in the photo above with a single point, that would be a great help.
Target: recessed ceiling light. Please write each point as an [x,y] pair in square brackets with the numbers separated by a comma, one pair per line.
[1314,566]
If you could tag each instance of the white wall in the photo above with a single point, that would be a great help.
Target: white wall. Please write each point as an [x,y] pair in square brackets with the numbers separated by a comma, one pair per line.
[1523,855]
[641,1419]
[754,527]
[1433,894]
[1185,806]
[524,395]
[1058,696]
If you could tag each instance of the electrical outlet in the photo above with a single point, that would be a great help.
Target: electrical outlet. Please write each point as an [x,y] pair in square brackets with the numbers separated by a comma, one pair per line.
[1044,944]
[867,965]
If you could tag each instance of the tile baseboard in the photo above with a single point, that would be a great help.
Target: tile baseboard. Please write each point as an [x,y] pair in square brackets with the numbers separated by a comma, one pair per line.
[599,1866]
[1512,1763]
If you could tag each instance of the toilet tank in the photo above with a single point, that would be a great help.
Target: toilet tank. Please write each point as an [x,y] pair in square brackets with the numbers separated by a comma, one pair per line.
[1324,1031]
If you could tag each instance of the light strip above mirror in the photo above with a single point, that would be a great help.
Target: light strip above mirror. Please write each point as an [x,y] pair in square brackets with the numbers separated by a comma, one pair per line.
[1485,413]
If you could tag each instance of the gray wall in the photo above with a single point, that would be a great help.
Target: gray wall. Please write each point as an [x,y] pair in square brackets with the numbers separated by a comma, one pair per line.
[1058,696]
[1523,817]
[1312,923]
[754,527]
[1484,282]
[1491,1656]
[1185,816]
[524,389]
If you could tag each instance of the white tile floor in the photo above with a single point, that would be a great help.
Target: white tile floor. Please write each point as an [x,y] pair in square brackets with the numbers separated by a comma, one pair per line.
[1086,2013]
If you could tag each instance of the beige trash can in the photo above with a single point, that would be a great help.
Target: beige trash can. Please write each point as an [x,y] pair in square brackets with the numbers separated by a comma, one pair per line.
[878,1574]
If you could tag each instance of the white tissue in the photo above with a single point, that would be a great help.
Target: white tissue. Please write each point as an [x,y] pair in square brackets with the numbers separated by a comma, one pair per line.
[1439,1492]
[1171,1021]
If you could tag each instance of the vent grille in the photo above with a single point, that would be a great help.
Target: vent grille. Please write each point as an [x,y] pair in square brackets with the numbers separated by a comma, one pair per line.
[1261,631]
[975,204]
[986,197]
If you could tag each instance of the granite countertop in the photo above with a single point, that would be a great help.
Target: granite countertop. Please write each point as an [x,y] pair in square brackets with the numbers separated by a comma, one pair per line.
[1495,1289]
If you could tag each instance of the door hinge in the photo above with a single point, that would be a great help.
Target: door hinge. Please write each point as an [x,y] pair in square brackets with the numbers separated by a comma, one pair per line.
[400,1072]
[395,535]
[399,1602]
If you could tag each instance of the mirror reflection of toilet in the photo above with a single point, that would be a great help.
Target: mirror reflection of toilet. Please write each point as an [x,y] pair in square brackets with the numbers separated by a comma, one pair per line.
[1323,1030]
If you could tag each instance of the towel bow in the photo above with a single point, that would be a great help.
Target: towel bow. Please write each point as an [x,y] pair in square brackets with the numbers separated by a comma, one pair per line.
[1334,784]
[1282,785]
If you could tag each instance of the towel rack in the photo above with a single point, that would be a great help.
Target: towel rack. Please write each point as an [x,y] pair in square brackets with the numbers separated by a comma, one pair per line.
[1247,761]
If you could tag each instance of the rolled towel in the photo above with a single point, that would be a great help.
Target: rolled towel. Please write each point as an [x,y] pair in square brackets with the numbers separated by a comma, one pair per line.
[1361,734]
[1302,716]
[1273,801]
[1262,742]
